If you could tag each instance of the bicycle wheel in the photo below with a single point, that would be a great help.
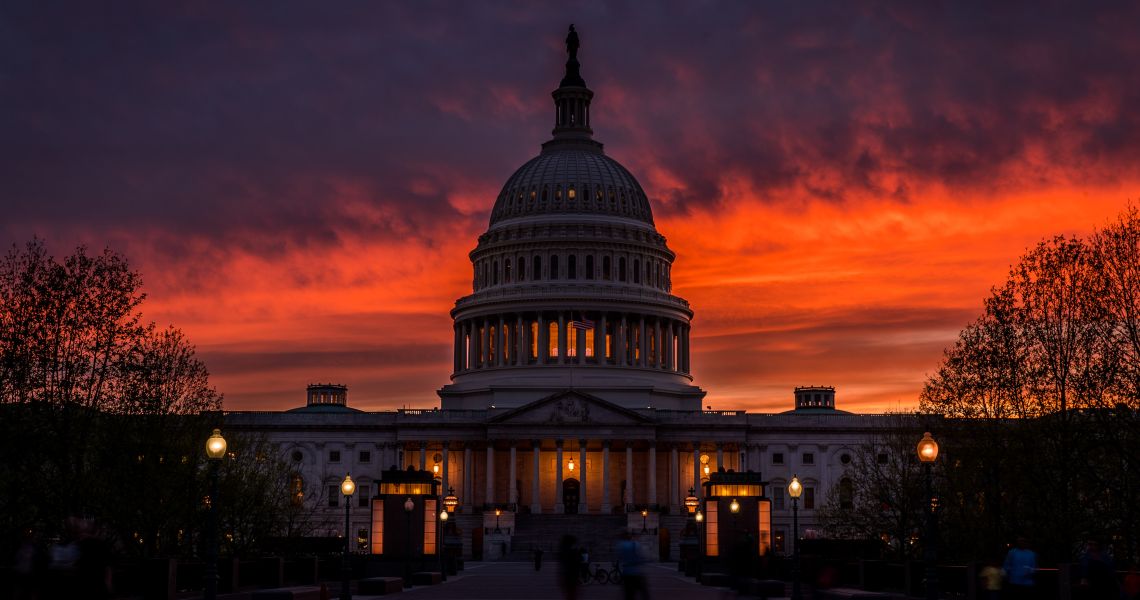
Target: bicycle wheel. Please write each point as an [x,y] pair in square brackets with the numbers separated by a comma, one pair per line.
[600,576]
[615,577]
[584,577]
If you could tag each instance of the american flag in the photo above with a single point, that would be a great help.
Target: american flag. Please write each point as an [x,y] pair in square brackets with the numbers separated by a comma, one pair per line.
[582,323]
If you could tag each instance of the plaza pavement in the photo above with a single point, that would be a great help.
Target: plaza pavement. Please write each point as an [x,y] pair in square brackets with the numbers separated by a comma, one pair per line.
[519,581]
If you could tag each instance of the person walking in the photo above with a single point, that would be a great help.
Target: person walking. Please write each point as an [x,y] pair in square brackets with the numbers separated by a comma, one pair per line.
[1098,575]
[1020,568]
[568,567]
[633,581]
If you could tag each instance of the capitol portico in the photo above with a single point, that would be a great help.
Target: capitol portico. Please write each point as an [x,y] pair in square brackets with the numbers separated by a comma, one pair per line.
[571,391]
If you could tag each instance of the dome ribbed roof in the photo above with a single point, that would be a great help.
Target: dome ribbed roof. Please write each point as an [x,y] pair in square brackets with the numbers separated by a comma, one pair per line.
[572,180]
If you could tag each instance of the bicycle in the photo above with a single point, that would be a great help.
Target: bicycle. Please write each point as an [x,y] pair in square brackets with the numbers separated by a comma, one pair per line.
[596,574]
[614,574]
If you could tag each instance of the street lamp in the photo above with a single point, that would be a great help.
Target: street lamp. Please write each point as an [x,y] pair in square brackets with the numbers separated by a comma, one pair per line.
[215,450]
[927,453]
[348,488]
[409,506]
[644,516]
[439,547]
[700,517]
[794,490]
[498,513]
[450,501]
[691,501]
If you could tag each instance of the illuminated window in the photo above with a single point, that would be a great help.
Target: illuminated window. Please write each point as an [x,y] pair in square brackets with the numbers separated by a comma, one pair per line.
[570,193]
[779,541]
[572,267]
[534,339]
[765,527]
[491,344]
[590,266]
[378,528]
[712,546]
[429,525]
[571,341]
[553,335]
[297,490]
[609,342]
[589,342]
[557,194]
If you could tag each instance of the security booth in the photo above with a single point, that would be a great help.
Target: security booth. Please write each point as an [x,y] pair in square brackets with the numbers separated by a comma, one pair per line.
[737,519]
[405,516]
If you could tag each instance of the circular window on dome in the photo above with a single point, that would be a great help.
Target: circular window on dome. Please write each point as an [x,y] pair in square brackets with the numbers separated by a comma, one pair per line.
[297,456]
[845,458]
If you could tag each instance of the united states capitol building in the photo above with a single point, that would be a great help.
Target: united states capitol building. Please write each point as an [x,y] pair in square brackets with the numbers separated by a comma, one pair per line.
[571,397]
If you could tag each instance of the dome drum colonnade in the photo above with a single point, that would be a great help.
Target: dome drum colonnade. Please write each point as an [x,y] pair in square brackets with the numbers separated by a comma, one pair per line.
[572,273]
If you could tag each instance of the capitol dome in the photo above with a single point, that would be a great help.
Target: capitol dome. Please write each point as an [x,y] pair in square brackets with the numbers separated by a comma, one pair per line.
[571,283]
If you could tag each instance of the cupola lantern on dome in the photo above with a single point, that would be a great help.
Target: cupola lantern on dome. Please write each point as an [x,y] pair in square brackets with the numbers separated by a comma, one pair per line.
[572,283]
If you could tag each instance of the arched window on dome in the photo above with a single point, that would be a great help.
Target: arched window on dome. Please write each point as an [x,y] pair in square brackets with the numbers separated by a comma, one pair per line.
[483,282]
[613,199]
[553,337]
[545,193]
[636,271]
[507,270]
[558,194]
[554,266]
[606,268]
[495,272]
[533,194]
[522,268]
[621,269]
[572,267]
[598,196]
[656,274]
[570,194]
[537,268]
[589,266]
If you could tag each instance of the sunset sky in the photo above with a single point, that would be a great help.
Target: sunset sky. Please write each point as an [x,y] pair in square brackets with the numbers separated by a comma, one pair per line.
[299,183]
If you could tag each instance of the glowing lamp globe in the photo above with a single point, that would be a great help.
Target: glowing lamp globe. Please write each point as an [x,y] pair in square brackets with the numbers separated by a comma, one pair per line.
[348,486]
[734,506]
[927,448]
[795,488]
[216,445]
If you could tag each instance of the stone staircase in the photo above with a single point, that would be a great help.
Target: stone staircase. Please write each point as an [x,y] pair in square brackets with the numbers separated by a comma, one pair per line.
[598,533]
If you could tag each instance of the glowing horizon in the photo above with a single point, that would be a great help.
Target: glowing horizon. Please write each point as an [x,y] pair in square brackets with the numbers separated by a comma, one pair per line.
[842,188]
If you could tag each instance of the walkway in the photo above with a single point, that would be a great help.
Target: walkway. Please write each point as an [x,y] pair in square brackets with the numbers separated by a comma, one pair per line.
[519,581]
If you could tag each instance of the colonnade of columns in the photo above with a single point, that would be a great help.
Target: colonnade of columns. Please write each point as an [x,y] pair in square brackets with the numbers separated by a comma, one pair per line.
[639,484]
[572,337]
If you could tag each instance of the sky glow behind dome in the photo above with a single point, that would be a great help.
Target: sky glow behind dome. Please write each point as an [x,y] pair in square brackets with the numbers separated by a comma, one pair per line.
[842,182]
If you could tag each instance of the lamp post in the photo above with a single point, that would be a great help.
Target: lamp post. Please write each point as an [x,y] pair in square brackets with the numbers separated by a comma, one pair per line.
[450,501]
[347,487]
[409,506]
[794,490]
[439,548]
[215,450]
[644,516]
[498,513]
[700,518]
[691,501]
[927,453]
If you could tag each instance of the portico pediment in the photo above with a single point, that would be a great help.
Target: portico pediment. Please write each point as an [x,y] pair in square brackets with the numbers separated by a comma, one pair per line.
[570,408]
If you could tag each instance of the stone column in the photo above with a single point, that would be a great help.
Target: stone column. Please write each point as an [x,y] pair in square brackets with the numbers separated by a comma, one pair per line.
[674,480]
[670,355]
[513,495]
[520,342]
[621,342]
[468,486]
[642,343]
[472,341]
[658,347]
[444,479]
[457,350]
[490,499]
[559,508]
[628,474]
[580,342]
[652,473]
[606,507]
[561,337]
[485,355]
[697,470]
[535,490]
[685,334]
[583,505]
[500,344]
[543,340]
[600,341]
